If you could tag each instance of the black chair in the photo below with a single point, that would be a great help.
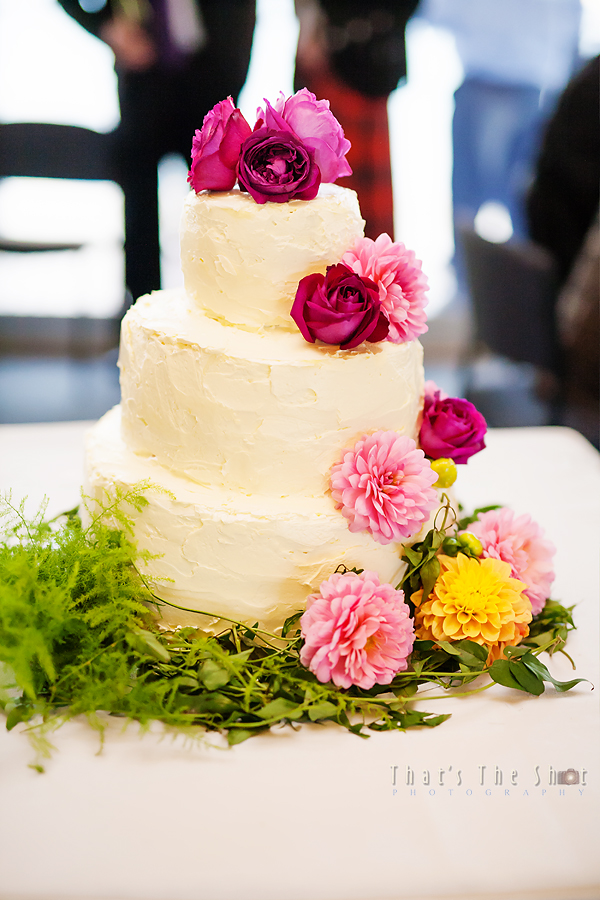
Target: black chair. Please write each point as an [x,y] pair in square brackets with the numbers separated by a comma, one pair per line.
[513,290]
[42,150]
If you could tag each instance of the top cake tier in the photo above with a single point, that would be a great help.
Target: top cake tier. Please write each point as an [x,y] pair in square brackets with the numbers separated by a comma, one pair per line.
[242,260]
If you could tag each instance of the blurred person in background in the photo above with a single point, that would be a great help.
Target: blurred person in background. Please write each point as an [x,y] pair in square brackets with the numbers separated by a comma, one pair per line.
[174,60]
[563,198]
[352,52]
[517,56]
[562,208]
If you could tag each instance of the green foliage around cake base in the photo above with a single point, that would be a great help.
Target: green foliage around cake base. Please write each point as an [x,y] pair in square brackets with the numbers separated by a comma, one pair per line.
[77,636]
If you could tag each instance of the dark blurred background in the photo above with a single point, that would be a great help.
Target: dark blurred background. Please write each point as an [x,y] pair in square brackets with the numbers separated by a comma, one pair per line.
[466,133]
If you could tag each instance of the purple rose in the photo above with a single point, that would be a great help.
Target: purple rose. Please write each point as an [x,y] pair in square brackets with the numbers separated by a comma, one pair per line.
[451,427]
[312,121]
[339,308]
[216,148]
[276,166]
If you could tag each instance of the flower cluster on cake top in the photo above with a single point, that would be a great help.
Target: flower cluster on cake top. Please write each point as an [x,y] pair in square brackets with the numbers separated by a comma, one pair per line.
[376,291]
[295,144]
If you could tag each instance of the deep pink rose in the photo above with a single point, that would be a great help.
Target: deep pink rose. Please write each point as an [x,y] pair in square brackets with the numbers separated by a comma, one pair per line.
[339,308]
[216,148]
[276,166]
[451,427]
[312,121]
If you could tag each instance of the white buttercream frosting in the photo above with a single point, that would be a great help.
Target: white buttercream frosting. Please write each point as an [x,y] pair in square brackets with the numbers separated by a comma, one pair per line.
[242,260]
[259,413]
[252,558]
[236,420]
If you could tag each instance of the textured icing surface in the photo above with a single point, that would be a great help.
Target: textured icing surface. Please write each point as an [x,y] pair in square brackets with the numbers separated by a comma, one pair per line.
[252,558]
[260,413]
[236,420]
[242,260]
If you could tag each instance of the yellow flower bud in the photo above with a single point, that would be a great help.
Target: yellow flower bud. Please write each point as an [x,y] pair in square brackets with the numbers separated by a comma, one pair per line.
[445,470]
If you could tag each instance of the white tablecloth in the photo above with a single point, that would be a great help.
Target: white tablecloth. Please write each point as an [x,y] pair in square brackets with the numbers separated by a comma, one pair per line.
[319,813]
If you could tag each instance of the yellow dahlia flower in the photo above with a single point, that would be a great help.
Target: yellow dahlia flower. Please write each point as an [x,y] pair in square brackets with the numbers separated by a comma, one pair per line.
[475,600]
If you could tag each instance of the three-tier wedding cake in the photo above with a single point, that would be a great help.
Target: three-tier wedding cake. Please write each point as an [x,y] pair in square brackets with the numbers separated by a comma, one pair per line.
[235,412]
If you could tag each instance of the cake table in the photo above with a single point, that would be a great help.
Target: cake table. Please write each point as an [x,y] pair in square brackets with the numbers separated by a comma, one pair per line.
[477,808]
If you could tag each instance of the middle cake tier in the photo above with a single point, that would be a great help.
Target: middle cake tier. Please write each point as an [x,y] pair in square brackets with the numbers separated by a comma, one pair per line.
[259,413]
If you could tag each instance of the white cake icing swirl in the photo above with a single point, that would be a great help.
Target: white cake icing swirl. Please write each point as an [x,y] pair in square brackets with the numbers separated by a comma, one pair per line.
[250,557]
[259,413]
[242,260]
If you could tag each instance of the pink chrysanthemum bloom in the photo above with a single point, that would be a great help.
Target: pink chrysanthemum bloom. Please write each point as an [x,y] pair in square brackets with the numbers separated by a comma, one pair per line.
[520,542]
[402,284]
[356,631]
[383,485]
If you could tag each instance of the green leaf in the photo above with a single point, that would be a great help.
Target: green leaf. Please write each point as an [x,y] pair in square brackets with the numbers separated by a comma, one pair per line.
[464,523]
[238,735]
[413,556]
[291,623]
[434,721]
[20,713]
[146,642]
[187,681]
[516,652]
[213,676]
[414,718]
[323,710]
[528,680]
[280,708]
[423,646]
[534,664]
[241,658]
[430,571]
[474,649]
[501,673]
[472,655]
[437,540]
[213,702]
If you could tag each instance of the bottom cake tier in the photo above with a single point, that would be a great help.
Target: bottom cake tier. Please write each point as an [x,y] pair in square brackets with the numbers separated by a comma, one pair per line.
[249,558]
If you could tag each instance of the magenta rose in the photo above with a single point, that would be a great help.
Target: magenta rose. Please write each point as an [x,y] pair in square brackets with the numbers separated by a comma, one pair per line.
[216,148]
[339,308]
[314,124]
[276,166]
[451,427]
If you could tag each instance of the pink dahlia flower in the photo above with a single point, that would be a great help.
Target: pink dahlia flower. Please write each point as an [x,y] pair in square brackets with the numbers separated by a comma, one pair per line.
[216,148]
[402,284]
[356,631]
[383,485]
[520,542]
[312,121]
